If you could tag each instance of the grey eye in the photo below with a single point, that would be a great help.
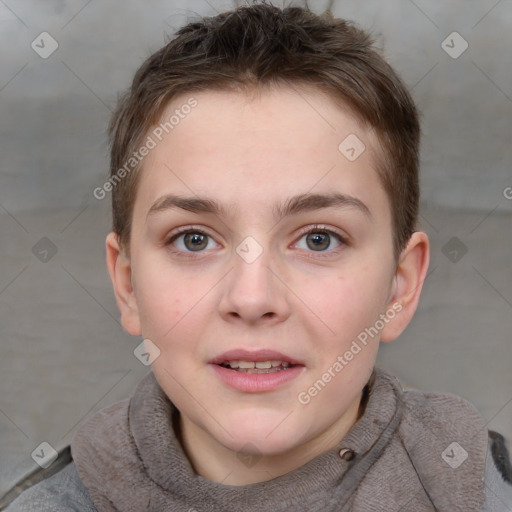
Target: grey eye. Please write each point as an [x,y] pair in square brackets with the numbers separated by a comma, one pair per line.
[192,241]
[318,241]
[195,241]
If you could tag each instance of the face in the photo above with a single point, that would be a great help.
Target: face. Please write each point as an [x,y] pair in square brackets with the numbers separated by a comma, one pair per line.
[256,239]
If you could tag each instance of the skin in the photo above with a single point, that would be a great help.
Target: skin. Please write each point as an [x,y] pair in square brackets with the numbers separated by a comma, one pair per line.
[249,151]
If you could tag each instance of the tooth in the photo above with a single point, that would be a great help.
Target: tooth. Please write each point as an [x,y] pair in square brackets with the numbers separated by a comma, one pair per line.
[285,364]
[276,363]
[234,364]
[246,364]
[264,364]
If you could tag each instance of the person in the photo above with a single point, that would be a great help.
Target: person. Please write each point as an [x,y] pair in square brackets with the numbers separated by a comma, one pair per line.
[264,181]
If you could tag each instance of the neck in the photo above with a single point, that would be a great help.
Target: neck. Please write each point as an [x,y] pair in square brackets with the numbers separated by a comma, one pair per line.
[221,464]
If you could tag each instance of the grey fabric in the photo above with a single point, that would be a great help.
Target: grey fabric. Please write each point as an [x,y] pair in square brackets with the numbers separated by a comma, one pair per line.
[48,496]
[498,493]
[62,492]
[398,463]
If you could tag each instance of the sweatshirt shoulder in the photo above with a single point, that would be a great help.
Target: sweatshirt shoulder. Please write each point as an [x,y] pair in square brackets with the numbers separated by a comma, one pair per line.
[443,429]
[442,412]
[446,441]
[62,492]
[458,415]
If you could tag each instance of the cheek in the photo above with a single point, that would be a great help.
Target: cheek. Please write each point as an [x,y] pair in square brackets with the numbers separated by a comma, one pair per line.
[162,299]
[345,303]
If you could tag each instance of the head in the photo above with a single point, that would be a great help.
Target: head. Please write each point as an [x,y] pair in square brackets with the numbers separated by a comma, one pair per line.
[286,148]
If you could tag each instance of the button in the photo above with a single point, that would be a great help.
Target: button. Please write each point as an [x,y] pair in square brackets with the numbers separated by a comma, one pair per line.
[347,454]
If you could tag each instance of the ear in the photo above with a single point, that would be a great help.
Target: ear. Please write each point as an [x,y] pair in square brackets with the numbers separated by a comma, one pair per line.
[120,270]
[407,284]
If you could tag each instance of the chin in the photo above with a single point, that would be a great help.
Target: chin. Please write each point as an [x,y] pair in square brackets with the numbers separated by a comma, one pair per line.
[261,446]
[261,438]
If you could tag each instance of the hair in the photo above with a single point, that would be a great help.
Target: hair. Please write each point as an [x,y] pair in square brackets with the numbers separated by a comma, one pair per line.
[262,45]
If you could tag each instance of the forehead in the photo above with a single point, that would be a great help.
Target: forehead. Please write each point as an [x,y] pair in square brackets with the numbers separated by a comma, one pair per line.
[252,148]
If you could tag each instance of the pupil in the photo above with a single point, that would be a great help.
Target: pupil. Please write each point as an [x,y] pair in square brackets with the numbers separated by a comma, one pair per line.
[319,240]
[197,241]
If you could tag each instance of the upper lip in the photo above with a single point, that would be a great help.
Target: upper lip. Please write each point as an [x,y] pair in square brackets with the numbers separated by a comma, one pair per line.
[254,355]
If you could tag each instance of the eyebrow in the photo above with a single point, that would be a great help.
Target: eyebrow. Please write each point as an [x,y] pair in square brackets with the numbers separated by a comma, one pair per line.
[294,205]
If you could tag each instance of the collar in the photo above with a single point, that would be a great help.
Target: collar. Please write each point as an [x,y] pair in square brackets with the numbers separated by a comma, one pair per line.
[132,445]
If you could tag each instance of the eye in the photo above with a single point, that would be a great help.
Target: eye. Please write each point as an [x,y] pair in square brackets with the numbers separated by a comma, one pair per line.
[319,239]
[191,240]
[313,239]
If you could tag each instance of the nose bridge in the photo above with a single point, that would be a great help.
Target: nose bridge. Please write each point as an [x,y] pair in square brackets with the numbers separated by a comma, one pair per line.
[253,291]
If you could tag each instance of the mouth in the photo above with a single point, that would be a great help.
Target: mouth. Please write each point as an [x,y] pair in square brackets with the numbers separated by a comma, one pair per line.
[256,361]
[270,366]
[256,371]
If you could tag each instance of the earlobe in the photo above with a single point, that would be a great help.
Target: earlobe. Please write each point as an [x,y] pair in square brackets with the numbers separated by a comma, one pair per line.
[120,271]
[407,284]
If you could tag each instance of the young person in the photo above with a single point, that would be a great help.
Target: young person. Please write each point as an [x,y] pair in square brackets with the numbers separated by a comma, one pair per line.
[264,178]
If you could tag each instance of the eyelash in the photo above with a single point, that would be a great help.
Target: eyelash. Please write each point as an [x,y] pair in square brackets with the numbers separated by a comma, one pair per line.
[317,228]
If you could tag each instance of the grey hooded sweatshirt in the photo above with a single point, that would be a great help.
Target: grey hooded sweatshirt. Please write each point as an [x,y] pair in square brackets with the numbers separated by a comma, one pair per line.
[409,451]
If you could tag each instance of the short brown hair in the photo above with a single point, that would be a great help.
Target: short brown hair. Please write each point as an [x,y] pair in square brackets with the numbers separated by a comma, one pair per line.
[262,45]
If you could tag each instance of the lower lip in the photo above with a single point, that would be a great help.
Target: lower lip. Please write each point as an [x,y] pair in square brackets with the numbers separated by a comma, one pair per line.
[257,382]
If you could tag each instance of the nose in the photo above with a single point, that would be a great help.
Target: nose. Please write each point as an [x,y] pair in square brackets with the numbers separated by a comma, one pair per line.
[254,292]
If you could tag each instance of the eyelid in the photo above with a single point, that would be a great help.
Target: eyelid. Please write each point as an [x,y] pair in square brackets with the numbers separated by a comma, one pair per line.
[175,234]
[323,228]
[302,231]
[186,229]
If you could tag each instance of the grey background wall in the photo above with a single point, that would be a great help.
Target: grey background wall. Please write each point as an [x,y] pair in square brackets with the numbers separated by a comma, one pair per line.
[64,354]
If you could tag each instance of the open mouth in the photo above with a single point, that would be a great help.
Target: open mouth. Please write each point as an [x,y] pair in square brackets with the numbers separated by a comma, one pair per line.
[258,371]
[257,366]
